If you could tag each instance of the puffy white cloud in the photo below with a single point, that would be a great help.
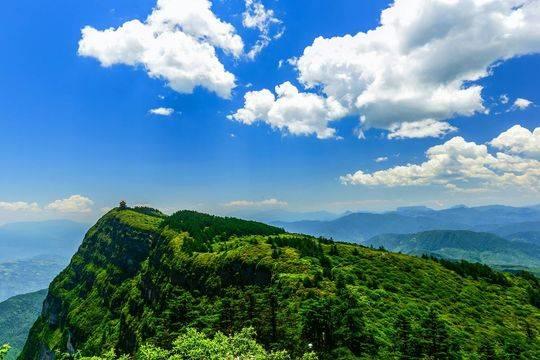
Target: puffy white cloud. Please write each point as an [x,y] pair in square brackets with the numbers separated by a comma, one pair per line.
[381,159]
[466,166]
[177,43]
[290,110]
[162,111]
[519,141]
[421,63]
[264,20]
[420,129]
[73,204]
[522,104]
[263,203]
[19,206]
[504,99]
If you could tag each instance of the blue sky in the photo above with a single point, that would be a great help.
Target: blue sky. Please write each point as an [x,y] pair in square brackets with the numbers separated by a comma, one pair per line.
[69,126]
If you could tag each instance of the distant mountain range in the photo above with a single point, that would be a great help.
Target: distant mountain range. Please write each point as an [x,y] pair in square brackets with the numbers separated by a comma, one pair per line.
[24,276]
[273,215]
[33,253]
[17,314]
[458,244]
[359,227]
[28,239]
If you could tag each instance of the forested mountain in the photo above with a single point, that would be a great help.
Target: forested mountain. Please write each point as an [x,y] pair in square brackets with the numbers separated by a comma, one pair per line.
[17,314]
[141,277]
[468,245]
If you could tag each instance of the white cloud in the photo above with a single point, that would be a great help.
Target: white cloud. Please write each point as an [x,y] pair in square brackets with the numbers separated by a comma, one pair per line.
[73,204]
[504,99]
[466,166]
[422,62]
[420,129]
[162,111]
[519,141]
[381,159]
[177,42]
[263,203]
[258,17]
[291,111]
[19,206]
[522,104]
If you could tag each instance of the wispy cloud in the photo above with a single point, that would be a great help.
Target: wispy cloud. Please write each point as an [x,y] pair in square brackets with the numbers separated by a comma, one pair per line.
[257,16]
[19,206]
[73,204]
[251,204]
[162,111]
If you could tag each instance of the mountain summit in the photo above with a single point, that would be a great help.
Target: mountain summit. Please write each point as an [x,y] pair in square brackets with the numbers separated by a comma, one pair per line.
[141,277]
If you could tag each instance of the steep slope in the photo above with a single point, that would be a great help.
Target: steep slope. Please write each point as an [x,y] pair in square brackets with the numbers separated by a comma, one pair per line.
[478,247]
[141,277]
[17,314]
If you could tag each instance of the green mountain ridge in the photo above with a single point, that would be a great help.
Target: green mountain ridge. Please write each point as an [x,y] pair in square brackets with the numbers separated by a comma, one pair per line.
[141,277]
[467,245]
[17,314]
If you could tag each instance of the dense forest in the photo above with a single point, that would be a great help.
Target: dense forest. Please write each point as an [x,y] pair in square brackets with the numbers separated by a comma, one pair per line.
[196,286]
[17,314]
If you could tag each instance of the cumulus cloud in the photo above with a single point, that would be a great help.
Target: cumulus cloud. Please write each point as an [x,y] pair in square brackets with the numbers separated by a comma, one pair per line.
[521,104]
[177,43]
[381,159]
[421,63]
[162,111]
[420,129]
[19,206]
[73,204]
[290,110]
[257,16]
[250,203]
[519,141]
[467,166]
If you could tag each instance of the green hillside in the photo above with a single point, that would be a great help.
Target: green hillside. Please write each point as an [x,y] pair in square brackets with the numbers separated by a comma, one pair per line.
[17,314]
[141,278]
[468,245]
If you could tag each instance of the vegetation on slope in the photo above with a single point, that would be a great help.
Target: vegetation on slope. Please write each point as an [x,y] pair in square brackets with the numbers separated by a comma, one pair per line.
[141,279]
[195,345]
[17,314]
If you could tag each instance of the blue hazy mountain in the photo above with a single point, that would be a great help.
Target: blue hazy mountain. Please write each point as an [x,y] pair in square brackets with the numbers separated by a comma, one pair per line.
[27,275]
[33,253]
[361,226]
[358,227]
[24,240]
[272,215]
[528,231]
